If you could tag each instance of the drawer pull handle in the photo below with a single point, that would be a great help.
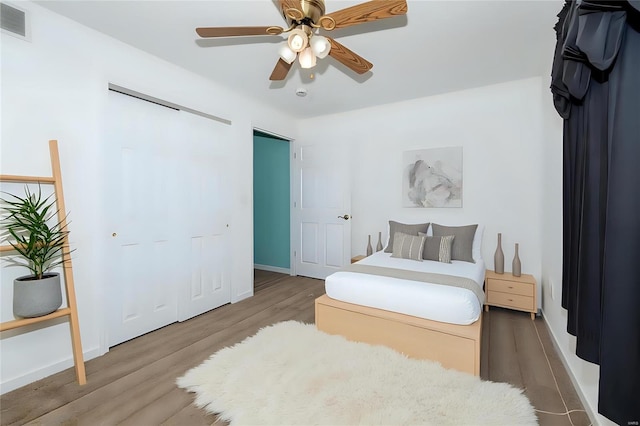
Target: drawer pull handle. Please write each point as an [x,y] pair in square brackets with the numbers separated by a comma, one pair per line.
[510,300]
[510,286]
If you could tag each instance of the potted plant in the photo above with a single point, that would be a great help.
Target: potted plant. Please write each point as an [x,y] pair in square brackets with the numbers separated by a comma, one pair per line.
[34,231]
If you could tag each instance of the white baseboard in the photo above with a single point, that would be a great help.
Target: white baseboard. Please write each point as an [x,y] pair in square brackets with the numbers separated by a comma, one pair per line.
[272,269]
[45,371]
[585,402]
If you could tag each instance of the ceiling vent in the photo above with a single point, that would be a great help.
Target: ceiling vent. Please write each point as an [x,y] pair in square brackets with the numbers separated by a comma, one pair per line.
[14,21]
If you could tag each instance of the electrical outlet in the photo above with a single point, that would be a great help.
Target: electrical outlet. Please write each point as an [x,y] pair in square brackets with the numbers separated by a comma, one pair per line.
[551,286]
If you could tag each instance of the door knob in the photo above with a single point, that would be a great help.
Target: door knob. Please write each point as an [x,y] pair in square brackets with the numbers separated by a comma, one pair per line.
[345,217]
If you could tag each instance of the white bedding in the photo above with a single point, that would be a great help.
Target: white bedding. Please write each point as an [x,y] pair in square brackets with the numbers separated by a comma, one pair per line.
[431,301]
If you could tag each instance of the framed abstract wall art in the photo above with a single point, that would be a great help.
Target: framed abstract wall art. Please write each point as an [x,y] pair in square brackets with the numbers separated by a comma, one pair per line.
[432,177]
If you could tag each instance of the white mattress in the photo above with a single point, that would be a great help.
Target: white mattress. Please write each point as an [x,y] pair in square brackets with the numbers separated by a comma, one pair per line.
[425,300]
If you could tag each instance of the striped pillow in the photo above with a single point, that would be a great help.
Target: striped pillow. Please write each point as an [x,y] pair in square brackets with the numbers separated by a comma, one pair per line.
[405,228]
[438,248]
[408,246]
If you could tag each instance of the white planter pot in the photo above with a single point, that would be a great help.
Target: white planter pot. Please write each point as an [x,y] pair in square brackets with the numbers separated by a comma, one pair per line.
[35,298]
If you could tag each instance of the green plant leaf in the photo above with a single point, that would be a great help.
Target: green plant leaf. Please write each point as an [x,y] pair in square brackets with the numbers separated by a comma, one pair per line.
[34,232]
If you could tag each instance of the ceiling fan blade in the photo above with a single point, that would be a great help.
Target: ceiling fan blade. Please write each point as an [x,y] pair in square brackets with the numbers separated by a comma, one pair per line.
[280,71]
[348,58]
[362,13]
[291,9]
[237,31]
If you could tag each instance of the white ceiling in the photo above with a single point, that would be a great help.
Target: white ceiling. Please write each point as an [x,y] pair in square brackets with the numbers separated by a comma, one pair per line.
[438,47]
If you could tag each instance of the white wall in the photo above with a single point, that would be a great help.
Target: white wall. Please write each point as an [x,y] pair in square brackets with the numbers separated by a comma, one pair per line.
[55,87]
[499,129]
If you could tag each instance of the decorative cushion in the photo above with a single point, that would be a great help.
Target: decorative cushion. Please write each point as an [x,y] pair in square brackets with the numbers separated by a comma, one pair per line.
[408,246]
[409,229]
[438,248]
[462,243]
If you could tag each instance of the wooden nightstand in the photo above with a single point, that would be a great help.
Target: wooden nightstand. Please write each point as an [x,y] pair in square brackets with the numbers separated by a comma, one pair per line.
[357,258]
[511,292]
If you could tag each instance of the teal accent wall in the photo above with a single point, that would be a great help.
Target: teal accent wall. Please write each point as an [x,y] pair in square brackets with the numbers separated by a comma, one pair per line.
[271,201]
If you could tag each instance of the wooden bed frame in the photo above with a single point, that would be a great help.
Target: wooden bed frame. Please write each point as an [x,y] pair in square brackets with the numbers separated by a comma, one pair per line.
[454,346]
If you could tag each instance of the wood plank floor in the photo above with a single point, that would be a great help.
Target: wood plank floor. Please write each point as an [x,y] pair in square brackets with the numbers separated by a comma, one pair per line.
[134,383]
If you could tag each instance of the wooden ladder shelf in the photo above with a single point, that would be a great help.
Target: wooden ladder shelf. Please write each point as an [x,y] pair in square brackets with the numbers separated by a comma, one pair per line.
[71,310]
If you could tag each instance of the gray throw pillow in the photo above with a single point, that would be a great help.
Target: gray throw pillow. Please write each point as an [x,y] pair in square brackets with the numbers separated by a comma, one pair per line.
[408,246]
[438,248]
[463,241]
[409,229]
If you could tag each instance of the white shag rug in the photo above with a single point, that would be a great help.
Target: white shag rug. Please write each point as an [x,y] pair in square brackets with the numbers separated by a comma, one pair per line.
[292,374]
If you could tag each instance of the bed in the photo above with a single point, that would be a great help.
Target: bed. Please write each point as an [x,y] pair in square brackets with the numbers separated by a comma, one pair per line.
[385,299]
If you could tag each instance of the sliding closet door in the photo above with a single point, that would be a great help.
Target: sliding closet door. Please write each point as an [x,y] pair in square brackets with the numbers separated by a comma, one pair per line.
[166,208]
[205,213]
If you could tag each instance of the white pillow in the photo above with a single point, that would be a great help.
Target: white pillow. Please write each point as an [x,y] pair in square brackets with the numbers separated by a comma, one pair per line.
[476,247]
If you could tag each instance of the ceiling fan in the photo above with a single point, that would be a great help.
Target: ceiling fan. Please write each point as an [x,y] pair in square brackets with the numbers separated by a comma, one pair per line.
[304,19]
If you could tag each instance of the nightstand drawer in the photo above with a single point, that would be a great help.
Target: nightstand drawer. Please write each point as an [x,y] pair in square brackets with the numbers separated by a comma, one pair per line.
[516,301]
[510,287]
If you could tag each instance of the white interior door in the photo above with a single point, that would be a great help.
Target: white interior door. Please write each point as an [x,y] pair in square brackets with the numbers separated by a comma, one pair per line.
[167,210]
[322,204]
[206,168]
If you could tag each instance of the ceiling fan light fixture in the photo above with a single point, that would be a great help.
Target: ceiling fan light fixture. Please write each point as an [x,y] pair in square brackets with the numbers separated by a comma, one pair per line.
[297,40]
[320,46]
[287,54]
[307,58]
[305,20]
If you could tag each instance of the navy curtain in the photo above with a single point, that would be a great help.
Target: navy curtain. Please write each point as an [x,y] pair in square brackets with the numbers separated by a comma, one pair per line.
[595,84]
